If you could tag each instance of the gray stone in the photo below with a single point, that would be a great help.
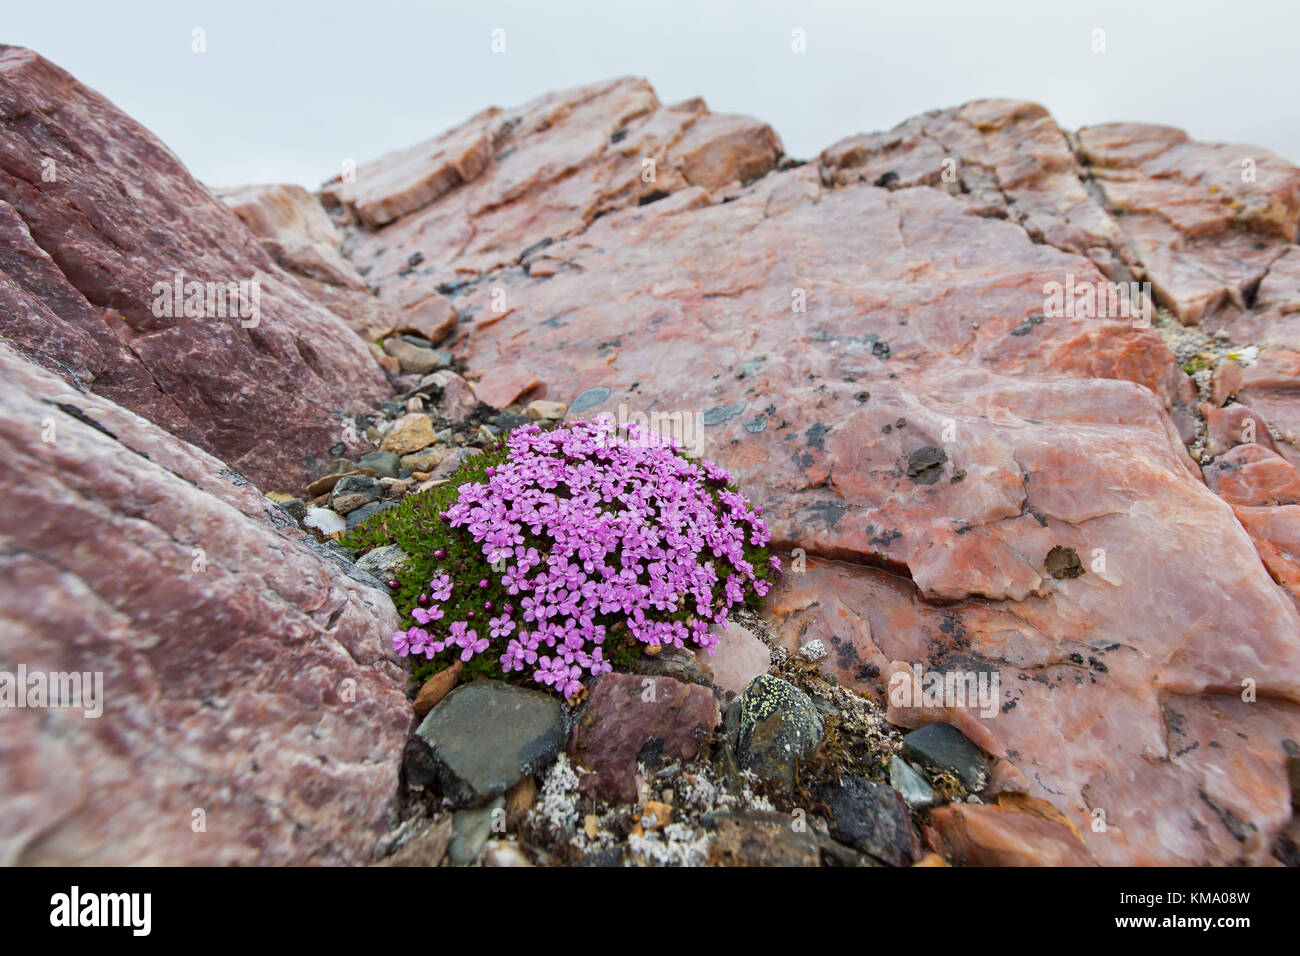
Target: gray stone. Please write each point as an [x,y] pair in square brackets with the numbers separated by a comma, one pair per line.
[354,491]
[295,508]
[721,413]
[383,562]
[942,748]
[589,399]
[776,726]
[873,818]
[366,512]
[916,792]
[483,738]
[471,829]
[384,463]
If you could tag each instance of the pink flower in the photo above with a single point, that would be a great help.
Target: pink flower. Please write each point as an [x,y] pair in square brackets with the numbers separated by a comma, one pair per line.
[592,524]
[426,615]
[440,587]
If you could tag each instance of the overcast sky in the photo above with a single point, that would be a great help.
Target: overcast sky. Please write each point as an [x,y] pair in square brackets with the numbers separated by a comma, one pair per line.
[287,90]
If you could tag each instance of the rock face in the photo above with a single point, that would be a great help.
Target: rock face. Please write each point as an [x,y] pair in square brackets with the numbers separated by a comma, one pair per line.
[978,480]
[97,220]
[250,713]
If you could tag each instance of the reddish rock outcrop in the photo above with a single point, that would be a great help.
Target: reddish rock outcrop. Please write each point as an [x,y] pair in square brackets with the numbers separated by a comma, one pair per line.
[250,713]
[94,213]
[974,481]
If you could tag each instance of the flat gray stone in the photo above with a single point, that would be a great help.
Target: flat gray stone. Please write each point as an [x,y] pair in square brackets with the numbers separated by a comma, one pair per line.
[471,829]
[942,748]
[588,399]
[483,738]
[384,463]
[358,515]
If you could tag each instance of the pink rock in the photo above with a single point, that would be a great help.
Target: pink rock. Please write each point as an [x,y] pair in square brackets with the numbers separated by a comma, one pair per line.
[1253,475]
[246,682]
[739,657]
[1204,233]
[82,259]
[1225,381]
[719,149]
[1234,425]
[1268,387]
[472,200]
[996,836]
[502,385]
[628,713]
[434,319]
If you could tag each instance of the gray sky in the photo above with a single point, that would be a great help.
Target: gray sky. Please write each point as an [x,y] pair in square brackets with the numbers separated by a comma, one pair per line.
[287,90]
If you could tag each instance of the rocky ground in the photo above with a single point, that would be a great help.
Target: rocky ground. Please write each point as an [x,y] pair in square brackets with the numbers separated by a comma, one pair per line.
[1097,508]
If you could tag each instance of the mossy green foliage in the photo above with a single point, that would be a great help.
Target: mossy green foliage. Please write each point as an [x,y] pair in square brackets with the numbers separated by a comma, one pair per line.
[416,527]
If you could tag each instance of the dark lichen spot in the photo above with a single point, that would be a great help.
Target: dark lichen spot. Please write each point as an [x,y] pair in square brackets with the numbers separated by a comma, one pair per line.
[827,511]
[925,465]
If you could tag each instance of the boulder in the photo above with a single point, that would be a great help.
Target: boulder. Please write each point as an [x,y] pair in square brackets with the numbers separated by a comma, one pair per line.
[252,713]
[90,258]
[778,726]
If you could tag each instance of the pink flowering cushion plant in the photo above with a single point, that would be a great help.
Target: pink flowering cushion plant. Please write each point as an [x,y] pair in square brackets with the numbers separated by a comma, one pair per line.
[557,551]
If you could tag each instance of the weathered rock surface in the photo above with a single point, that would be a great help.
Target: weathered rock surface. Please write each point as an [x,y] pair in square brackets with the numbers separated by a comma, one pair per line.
[633,719]
[760,839]
[863,341]
[84,241]
[247,684]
